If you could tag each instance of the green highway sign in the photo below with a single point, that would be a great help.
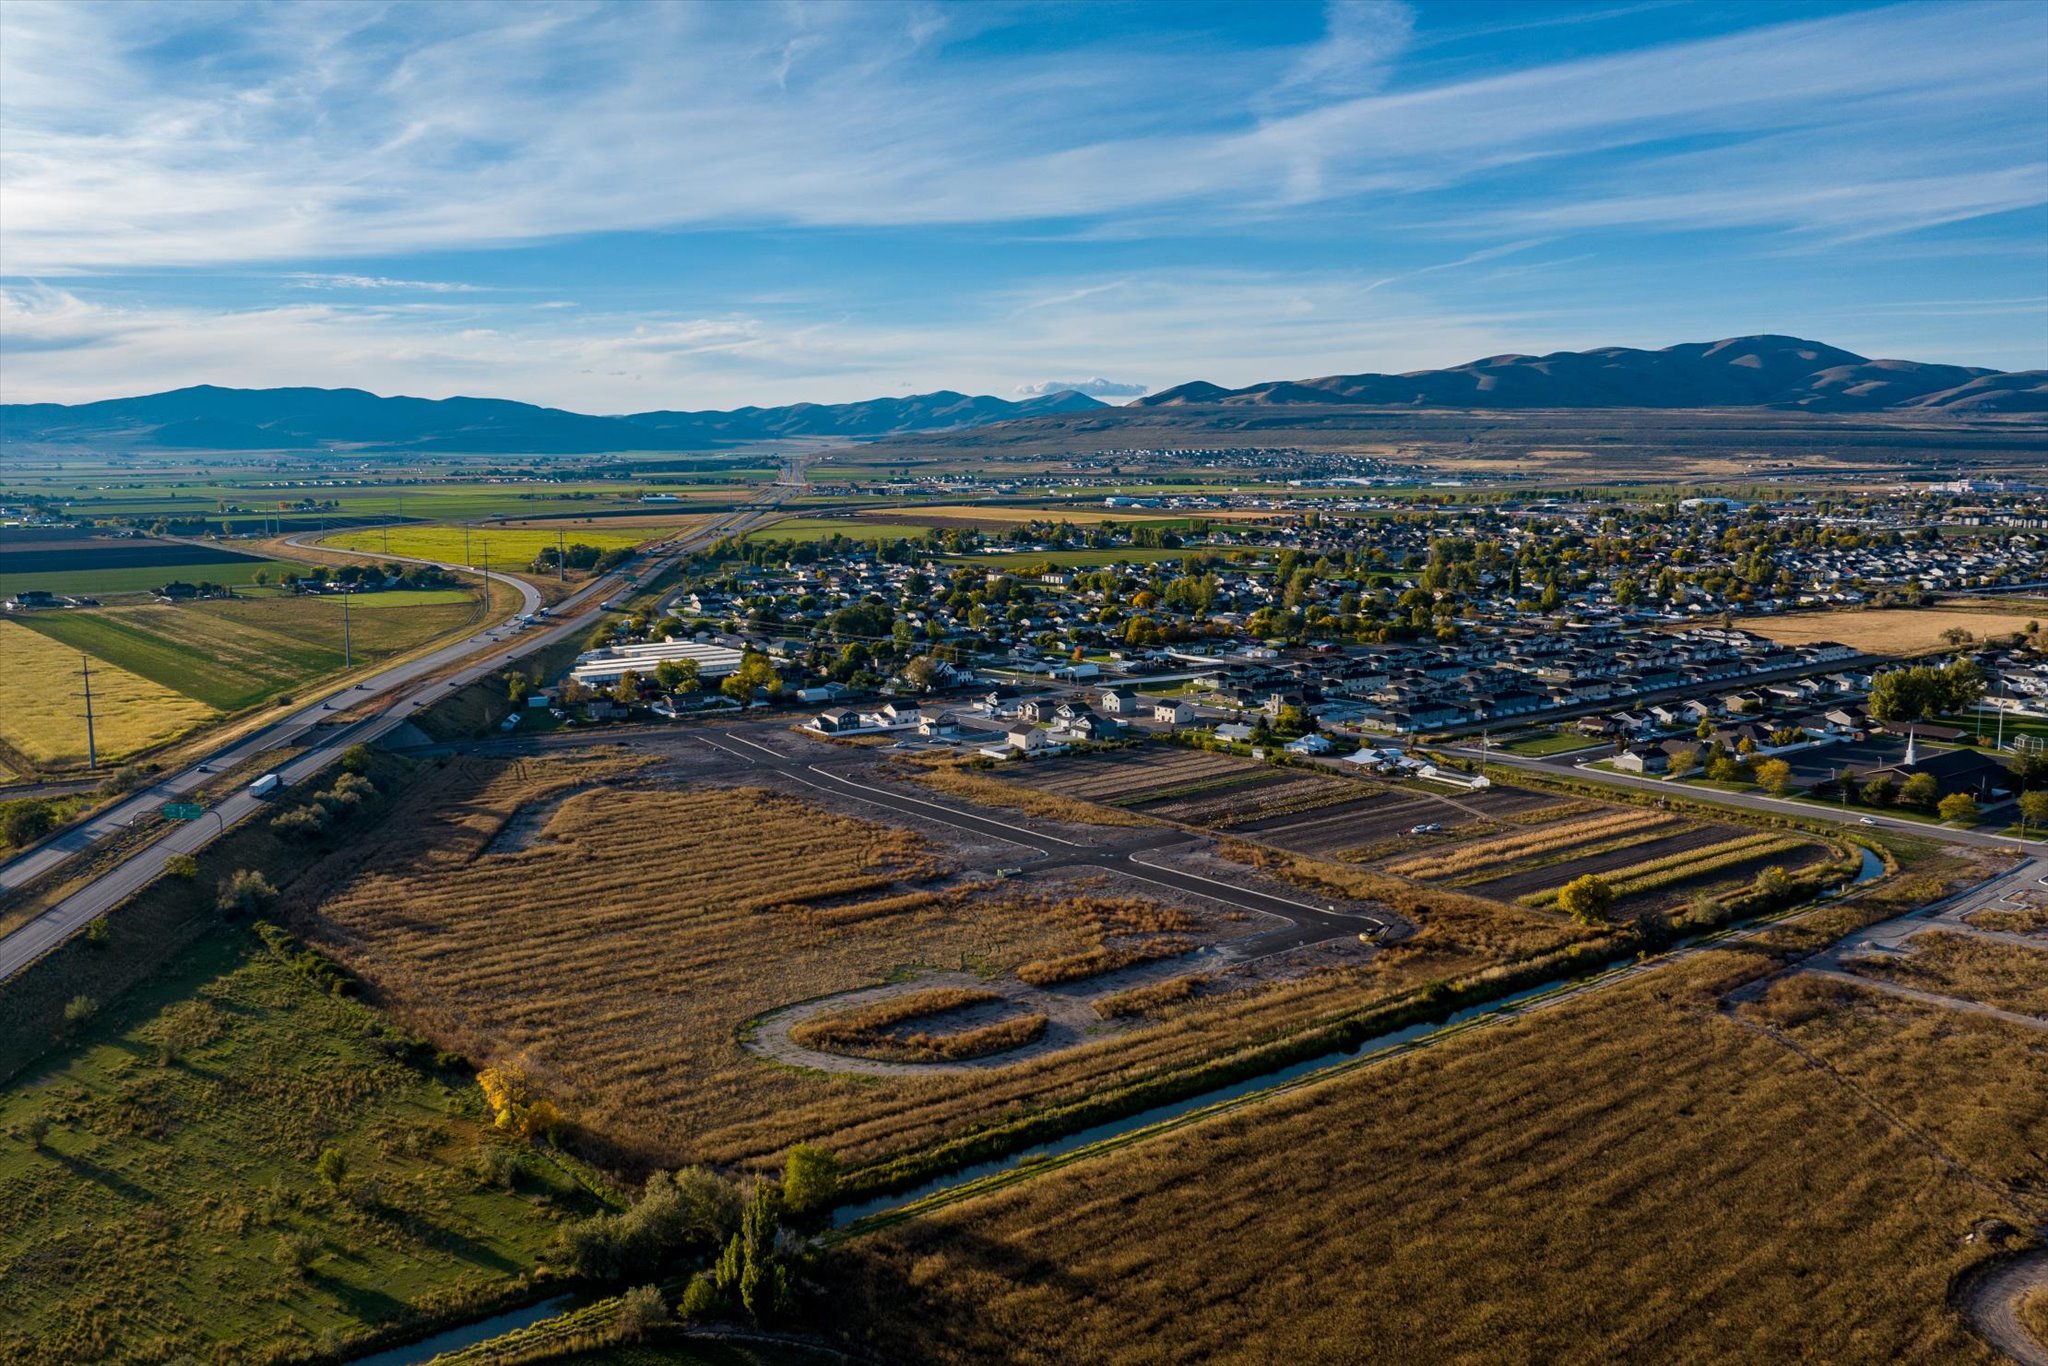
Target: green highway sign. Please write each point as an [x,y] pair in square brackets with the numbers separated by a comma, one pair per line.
[183,811]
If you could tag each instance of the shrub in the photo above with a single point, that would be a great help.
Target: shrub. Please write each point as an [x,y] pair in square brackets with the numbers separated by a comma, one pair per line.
[641,1311]
[1958,806]
[692,1211]
[517,1104]
[295,1251]
[26,821]
[332,1166]
[99,933]
[79,1009]
[810,1179]
[245,892]
[356,759]
[303,822]
[1586,899]
[181,865]
[700,1297]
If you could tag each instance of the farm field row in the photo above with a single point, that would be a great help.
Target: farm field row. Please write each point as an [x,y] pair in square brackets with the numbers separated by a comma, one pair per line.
[239,572]
[233,653]
[1502,843]
[1777,1182]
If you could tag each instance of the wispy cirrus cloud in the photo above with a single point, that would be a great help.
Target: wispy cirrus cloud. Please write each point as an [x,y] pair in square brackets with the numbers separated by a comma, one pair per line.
[331,131]
[305,279]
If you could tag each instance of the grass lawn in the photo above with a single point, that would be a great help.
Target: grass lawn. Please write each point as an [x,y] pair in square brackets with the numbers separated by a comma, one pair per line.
[141,579]
[1540,745]
[173,1211]
[1987,725]
[1073,559]
[235,653]
[42,716]
[509,548]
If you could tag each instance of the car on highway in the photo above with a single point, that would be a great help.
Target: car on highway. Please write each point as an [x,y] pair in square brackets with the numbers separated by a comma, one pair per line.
[1865,820]
[1432,828]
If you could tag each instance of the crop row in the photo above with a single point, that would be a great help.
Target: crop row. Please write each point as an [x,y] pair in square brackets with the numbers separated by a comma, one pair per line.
[1683,866]
[1522,844]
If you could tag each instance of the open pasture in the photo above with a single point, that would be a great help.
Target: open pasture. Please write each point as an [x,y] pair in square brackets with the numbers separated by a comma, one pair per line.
[172,1210]
[1629,1175]
[42,714]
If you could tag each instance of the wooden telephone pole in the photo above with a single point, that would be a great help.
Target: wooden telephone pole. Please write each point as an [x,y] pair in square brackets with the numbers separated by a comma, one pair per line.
[92,753]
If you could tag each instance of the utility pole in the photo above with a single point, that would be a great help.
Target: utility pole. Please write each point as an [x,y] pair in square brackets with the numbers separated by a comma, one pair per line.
[92,753]
[561,558]
[348,658]
[465,545]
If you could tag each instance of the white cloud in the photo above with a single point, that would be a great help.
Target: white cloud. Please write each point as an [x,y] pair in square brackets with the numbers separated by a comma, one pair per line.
[1230,328]
[306,279]
[329,131]
[1099,387]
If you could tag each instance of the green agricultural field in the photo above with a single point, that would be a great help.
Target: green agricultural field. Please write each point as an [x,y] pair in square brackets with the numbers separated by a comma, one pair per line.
[509,548]
[1552,744]
[163,1194]
[134,579]
[825,528]
[235,653]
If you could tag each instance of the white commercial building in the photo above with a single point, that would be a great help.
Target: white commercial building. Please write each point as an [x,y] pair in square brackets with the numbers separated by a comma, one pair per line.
[602,668]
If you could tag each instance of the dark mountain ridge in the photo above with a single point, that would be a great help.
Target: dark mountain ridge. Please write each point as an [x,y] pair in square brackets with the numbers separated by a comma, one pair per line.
[207,417]
[1749,372]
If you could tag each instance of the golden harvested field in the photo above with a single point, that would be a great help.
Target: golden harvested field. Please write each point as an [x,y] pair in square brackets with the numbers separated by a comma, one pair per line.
[617,943]
[578,528]
[2009,976]
[1886,630]
[1633,1175]
[42,716]
[508,549]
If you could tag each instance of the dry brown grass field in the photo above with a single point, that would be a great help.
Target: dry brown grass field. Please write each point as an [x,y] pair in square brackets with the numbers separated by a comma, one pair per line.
[2010,976]
[2025,920]
[1638,1173]
[617,943]
[1887,630]
[871,1031]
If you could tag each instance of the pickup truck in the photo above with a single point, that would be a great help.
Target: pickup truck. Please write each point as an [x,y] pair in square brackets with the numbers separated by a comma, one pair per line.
[265,785]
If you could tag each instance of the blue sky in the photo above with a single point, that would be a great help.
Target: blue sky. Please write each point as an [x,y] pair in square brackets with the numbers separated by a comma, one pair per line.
[614,208]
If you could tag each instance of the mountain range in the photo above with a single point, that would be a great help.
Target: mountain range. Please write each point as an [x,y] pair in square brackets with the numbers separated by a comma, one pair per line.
[1766,372]
[206,417]
[1749,372]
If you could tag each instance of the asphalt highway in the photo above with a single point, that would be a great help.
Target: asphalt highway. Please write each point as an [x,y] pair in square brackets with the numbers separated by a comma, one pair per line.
[321,736]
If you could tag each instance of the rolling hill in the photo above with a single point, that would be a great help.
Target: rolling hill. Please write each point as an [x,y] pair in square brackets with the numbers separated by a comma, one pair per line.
[206,417]
[1748,372]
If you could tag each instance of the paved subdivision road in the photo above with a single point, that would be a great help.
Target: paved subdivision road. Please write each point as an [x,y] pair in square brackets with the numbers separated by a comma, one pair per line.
[318,736]
[1752,801]
[1122,852]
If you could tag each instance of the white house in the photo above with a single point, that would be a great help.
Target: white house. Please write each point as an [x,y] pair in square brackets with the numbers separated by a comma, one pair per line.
[1117,702]
[1173,711]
